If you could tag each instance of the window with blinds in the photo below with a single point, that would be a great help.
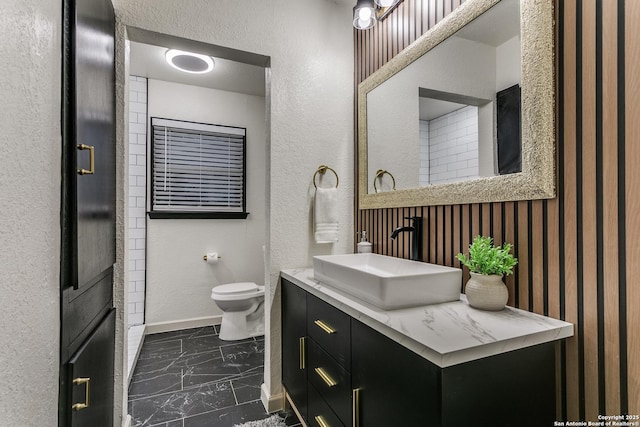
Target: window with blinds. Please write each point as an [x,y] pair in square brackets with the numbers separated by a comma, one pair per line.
[197,170]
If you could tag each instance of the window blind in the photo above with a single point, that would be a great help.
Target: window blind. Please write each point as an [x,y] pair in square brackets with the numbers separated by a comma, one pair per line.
[197,167]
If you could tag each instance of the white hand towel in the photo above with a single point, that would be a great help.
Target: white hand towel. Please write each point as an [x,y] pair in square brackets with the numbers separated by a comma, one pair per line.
[325,215]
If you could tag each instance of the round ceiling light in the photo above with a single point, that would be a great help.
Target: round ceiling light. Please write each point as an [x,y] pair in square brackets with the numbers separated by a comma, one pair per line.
[189,62]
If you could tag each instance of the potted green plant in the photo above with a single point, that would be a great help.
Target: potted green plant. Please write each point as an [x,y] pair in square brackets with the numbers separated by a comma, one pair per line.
[487,264]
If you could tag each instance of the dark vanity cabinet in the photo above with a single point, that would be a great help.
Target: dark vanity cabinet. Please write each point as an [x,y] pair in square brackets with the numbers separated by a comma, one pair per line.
[358,377]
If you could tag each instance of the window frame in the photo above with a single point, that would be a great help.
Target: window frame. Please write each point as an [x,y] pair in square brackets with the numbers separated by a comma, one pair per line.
[195,214]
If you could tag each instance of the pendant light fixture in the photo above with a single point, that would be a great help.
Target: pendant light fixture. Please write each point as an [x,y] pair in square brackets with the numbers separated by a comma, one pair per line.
[364,14]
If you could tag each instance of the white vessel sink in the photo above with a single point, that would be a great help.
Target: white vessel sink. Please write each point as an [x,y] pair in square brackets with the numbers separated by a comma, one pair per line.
[388,282]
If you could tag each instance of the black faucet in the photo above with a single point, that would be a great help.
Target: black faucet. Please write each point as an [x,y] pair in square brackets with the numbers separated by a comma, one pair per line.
[416,236]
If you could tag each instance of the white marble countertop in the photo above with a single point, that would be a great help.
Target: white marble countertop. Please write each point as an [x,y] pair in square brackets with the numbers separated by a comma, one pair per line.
[445,334]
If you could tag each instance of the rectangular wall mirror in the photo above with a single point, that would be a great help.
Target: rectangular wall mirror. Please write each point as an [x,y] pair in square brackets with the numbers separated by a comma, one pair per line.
[465,114]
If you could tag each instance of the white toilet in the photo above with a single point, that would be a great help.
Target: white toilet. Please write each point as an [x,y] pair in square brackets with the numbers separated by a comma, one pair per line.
[242,306]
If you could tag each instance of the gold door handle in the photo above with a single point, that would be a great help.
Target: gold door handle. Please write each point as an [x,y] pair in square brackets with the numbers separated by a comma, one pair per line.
[321,421]
[303,356]
[325,377]
[355,408]
[90,171]
[87,393]
[328,329]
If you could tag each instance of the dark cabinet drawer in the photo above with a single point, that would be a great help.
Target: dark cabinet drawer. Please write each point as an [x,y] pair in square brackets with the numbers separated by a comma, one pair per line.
[320,414]
[331,381]
[330,328]
[294,332]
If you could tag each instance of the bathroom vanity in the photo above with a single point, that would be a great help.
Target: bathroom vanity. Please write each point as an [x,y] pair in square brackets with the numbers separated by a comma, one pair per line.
[348,363]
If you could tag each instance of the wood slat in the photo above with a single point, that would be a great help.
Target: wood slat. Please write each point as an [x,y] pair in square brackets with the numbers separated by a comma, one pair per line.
[553,255]
[537,257]
[570,214]
[589,220]
[610,208]
[523,255]
[632,185]
[510,236]
[448,236]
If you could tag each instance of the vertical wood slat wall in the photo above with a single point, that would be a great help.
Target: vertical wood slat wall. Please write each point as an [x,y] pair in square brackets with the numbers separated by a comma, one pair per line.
[578,252]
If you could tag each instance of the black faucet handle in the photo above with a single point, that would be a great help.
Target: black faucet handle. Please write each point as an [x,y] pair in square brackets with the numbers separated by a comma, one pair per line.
[414,218]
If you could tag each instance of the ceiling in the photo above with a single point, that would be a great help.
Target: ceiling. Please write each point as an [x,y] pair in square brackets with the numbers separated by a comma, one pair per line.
[148,61]
[495,26]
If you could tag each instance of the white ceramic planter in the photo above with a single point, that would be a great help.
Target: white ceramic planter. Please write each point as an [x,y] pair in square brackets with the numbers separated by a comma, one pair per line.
[486,292]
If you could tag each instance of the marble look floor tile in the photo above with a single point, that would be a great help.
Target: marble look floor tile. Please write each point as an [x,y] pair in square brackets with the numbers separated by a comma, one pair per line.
[175,423]
[172,406]
[207,376]
[157,362]
[246,357]
[151,383]
[247,388]
[229,417]
[203,344]
[206,367]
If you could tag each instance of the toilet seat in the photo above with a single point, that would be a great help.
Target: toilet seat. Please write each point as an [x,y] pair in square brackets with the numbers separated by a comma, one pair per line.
[236,291]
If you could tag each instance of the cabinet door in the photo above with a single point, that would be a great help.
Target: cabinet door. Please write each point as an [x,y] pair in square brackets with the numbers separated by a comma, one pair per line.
[394,385]
[513,389]
[88,163]
[294,333]
[89,143]
[91,378]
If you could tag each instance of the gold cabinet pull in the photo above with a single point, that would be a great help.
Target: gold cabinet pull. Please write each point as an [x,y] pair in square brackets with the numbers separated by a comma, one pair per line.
[325,377]
[87,393]
[321,421]
[90,171]
[328,329]
[355,409]
[303,356]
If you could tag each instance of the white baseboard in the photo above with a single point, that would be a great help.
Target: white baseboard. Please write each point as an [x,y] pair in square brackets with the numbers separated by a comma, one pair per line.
[271,403]
[176,325]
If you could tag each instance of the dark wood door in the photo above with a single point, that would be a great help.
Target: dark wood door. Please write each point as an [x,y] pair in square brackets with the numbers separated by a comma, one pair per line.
[91,376]
[88,191]
[395,386]
[294,336]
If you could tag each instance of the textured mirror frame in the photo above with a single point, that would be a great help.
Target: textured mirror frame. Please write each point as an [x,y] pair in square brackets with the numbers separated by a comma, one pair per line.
[538,178]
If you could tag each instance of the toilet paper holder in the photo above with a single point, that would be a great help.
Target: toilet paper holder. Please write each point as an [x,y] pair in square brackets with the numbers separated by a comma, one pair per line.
[204,257]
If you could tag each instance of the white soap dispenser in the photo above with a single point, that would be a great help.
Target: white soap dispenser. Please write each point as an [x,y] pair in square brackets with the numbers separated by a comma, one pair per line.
[364,247]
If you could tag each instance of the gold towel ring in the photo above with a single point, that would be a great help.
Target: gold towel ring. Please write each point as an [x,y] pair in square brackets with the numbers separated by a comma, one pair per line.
[379,174]
[322,169]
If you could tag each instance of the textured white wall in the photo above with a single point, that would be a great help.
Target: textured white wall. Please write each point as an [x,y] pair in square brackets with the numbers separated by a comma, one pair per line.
[310,43]
[30,149]
[179,282]
[508,64]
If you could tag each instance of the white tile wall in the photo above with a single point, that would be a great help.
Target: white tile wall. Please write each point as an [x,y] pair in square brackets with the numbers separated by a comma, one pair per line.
[453,146]
[137,197]
[424,152]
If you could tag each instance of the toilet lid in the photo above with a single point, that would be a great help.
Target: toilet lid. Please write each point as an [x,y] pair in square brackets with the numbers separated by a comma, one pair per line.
[235,288]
